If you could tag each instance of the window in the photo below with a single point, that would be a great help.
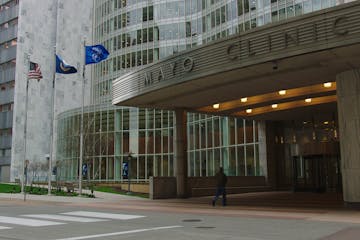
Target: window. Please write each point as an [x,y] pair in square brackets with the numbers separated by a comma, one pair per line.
[145,14]
[138,58]
[217,17]
[123,20]
[188,29]
[246,6]
[144,33]
[223,18]
[151,56]
[151,34]
[213,19]
[151,13]
[139,38]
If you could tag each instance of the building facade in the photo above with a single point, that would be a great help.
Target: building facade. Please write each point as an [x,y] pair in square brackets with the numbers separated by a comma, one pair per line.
[300,76]
[139,33]
[33,32]
[8,40]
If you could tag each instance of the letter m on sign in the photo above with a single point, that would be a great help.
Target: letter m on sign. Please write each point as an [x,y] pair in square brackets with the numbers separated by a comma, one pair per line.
[148,79]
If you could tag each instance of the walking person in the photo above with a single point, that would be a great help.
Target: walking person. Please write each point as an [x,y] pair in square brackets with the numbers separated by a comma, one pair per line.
[221,180]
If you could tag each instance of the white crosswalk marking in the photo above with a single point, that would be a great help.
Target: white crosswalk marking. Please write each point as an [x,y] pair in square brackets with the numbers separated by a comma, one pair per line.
[103,215]
[65,218]
[40,220]
[27,222]
[120,233]
[1,227]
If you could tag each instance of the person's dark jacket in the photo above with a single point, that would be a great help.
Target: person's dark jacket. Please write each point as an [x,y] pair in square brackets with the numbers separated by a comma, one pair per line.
[221,179]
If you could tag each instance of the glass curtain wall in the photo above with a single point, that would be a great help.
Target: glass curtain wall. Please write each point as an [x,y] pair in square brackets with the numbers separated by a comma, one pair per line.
[222,141]
[108,138]
[141,32]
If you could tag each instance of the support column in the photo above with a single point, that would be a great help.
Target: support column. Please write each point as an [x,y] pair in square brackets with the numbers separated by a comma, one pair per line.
[180,153]
[348,94]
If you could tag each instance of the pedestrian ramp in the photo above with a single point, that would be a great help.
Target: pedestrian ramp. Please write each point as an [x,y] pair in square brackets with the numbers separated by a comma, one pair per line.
[42,220]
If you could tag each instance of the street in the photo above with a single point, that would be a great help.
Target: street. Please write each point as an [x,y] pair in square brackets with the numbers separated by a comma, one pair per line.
[146,219]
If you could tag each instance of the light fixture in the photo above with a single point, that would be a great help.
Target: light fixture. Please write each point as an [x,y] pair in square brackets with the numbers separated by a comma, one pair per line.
[274,105]
[216,106]
[313,135]
[249,110]
[244,99]
[326,122]
[308,100]
[327,84]
[282,92]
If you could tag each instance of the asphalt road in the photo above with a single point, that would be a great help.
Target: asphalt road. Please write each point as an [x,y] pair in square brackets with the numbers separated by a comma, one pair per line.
[60,221]
[52,218]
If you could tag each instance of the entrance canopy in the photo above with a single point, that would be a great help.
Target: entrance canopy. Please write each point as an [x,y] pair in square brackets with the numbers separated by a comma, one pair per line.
[243,75]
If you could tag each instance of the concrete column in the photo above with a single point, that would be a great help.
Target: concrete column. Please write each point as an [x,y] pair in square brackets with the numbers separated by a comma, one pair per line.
[180,153]
[348,94]
[262,149]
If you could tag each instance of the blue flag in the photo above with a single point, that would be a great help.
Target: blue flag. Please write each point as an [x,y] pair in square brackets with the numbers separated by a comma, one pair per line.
[95,54]
[63,67]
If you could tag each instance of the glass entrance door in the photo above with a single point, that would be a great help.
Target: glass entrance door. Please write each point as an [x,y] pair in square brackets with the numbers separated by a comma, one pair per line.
[317,173]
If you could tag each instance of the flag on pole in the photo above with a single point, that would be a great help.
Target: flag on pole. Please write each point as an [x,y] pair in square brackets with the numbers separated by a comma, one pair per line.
[64,68]
[34,71]
[95,54]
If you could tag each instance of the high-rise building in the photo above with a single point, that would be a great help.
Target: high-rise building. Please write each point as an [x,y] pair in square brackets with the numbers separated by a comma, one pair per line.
[8,39]
[32,32]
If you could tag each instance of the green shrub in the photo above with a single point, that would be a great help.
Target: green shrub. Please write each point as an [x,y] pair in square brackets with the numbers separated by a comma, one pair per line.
[9,188]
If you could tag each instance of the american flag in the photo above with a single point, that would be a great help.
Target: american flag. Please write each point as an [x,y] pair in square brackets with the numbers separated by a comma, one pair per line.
[34,71]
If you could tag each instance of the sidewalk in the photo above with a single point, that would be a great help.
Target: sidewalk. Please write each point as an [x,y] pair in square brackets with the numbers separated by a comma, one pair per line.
[99,197]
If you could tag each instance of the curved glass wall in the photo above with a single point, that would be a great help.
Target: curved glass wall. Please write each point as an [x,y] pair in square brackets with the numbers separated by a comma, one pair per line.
[141,32]
[109,135]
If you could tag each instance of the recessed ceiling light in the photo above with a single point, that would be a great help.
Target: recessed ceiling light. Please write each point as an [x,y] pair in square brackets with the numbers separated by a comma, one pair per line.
[216,106]
[249,110]
[308,100]
[327,84]
[244,99]
[274,105]
[282,92]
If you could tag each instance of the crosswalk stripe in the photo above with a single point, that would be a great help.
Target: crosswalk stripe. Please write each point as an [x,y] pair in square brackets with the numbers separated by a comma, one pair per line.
[65,218]
[27,222]
[120,233]
[103,215]
[2,227]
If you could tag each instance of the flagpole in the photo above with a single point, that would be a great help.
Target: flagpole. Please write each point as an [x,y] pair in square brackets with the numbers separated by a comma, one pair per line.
[82,123]
[51,128]
[52,106]
[23,190]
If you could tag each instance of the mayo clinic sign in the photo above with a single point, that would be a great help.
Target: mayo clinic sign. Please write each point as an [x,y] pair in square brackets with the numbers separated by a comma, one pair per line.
[244,49]
[186,65]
